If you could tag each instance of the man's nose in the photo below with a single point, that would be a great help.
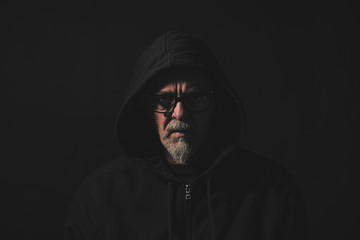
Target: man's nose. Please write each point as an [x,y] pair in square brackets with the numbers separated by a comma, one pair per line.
[179,111]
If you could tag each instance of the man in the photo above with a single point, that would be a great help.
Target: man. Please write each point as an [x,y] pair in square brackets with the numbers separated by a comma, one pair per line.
[183,174]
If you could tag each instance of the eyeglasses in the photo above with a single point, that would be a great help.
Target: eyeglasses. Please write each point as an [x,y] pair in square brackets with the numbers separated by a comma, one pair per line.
[165,103]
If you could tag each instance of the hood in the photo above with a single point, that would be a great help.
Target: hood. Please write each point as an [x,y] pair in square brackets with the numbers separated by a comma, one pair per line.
[134,128]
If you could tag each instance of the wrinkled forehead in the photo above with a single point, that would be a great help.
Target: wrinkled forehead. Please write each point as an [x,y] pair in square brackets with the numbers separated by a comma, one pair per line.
[190,79]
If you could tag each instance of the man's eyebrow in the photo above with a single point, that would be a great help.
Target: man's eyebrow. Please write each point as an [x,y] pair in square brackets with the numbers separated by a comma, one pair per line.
[189,90]
[164,92]
[196,89]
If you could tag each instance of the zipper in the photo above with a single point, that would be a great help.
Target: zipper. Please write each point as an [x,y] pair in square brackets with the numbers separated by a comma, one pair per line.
[187,192]
[187,211]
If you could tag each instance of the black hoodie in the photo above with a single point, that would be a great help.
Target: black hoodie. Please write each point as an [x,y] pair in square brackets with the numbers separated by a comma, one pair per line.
[234,194]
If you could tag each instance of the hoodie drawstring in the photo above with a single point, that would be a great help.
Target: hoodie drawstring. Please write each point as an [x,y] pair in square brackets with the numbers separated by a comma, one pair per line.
[211,211]
[169,210]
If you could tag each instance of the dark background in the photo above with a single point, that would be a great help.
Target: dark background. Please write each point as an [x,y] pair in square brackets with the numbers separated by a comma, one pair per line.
[65,67]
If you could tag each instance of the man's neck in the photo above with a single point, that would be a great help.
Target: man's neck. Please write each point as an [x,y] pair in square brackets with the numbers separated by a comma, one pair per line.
[200,158]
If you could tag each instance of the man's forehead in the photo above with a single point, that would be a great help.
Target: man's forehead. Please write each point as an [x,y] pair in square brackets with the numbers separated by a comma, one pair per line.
[194,79]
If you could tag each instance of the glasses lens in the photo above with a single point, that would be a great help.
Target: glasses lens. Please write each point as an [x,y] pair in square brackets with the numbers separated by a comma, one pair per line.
[192,102]
[197,102]
[162,103]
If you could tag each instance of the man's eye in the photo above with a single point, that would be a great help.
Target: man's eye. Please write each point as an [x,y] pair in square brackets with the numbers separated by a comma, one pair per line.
[165,99]
[200,97]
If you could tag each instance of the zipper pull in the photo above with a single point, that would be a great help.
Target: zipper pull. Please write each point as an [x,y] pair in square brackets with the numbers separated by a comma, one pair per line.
[187,192]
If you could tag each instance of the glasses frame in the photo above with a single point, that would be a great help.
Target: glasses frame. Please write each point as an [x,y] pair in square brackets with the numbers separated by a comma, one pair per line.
[179,99]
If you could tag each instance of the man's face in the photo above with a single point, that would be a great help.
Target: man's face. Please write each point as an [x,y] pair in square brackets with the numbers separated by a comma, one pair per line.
[182,131]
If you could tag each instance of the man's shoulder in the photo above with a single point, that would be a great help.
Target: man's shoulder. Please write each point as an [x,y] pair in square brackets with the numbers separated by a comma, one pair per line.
[117,165]
[111,173]
[250,165]
[252,158]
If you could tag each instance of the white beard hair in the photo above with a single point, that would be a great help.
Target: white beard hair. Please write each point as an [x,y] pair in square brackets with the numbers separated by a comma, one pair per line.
[179,150]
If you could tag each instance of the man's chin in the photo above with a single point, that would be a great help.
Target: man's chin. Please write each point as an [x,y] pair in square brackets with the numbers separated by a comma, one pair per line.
[180,150]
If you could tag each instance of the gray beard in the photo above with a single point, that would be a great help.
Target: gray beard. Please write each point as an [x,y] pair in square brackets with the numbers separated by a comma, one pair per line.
[179,151]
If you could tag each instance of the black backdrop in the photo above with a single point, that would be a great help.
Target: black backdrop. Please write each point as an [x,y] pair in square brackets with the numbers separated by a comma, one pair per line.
[65,67]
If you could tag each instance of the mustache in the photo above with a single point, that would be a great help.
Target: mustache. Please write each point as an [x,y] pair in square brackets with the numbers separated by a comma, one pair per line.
[177,126]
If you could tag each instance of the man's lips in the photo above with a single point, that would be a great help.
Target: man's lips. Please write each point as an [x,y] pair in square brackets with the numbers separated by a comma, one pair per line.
[179,133]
